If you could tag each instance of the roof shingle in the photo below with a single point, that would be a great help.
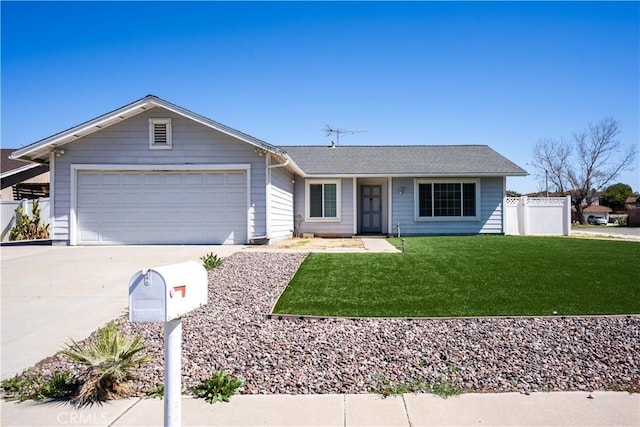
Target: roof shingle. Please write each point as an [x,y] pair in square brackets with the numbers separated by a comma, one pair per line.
[417,160]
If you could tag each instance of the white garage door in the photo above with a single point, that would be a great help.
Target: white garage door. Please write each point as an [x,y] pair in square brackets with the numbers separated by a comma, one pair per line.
[161,207]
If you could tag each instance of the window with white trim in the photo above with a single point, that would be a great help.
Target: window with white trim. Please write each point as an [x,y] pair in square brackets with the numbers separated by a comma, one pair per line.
[323,200]
[447,199]
[160,134]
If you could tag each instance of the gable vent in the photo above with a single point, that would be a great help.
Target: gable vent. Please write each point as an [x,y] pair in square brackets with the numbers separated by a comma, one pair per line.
[160,133]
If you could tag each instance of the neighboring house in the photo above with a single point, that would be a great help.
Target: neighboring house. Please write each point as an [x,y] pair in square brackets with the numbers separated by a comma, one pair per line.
[632,202]
[155,173]
[22,179]
[596,210]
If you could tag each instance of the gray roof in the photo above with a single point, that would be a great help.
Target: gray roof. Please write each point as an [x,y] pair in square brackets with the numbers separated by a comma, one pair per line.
[414,160]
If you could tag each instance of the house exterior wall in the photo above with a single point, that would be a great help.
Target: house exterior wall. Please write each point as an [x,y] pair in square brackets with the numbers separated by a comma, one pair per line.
[280,204]
[127,143]
[343,227]
[403,211]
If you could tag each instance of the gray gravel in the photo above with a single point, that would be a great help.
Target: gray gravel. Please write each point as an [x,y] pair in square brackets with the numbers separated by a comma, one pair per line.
[356,356]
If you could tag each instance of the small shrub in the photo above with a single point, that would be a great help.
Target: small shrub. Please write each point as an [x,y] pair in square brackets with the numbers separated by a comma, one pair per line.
[110,360]
[219,388]
[440,387]
[156,392]
[28,228]
[444,389]
[20,387]
[60,386]
[31,387]
[387,388]
[210,261]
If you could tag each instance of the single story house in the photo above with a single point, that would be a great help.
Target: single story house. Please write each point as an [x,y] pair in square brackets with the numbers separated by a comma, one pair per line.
[632,202]
[22,179]
[596,210]
[152,172]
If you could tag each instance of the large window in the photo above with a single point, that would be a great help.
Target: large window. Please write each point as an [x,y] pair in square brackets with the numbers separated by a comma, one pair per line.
[323,200]
[450,199]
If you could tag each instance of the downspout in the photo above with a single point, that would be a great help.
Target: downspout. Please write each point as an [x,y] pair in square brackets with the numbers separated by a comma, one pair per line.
[279,165]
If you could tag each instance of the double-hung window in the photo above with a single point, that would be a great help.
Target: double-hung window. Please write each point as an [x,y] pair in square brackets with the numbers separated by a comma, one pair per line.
[323,200]
[450,199]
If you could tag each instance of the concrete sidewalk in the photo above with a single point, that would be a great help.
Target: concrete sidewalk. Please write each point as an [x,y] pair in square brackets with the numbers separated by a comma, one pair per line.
[503,409]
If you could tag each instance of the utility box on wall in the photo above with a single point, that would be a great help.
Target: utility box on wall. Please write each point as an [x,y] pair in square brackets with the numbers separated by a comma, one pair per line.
[165,293]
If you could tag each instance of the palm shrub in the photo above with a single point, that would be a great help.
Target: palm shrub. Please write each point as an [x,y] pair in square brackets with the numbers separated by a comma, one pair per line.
[110,361]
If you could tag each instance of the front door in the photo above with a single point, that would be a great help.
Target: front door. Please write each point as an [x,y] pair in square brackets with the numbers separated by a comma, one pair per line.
[371,208]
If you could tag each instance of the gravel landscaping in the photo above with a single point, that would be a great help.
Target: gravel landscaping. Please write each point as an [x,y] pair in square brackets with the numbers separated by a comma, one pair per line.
[296,356]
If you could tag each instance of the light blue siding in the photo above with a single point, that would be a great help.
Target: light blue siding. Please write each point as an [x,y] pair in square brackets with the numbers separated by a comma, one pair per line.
[490,221]
[344,227]
[127,143]
[280,204]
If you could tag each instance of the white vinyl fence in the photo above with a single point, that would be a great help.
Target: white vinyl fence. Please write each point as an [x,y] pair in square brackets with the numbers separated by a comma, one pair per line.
[539,216]
[8,218]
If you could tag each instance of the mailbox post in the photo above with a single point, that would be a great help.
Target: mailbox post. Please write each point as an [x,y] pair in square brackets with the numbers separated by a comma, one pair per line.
[165,294]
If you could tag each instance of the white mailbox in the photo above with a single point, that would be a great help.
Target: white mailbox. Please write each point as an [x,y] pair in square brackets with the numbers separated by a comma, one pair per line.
[165,293]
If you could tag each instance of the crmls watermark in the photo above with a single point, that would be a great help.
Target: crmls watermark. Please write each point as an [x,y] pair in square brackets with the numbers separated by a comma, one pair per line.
[81,418]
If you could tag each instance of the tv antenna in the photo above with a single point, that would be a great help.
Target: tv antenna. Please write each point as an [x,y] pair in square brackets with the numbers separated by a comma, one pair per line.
[329,130]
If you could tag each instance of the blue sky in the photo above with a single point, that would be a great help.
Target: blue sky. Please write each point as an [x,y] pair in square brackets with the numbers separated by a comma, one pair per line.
[503,74]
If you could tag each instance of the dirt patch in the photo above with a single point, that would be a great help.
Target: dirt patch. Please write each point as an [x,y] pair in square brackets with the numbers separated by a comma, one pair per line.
[318,243]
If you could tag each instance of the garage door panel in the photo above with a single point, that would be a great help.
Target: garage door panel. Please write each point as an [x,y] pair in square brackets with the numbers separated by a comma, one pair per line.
[152,179]
[89,179]
[134,207]
[111,198]
[111,179]
[131,179]
[235,179]
[194,179]
[236,198]
[217,179]
[174,179]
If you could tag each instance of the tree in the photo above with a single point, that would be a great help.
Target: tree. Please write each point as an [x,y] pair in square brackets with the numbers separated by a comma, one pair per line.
[615,196]
[587,164]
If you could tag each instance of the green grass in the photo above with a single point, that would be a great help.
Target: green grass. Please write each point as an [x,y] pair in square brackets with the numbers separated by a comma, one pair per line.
[471,276]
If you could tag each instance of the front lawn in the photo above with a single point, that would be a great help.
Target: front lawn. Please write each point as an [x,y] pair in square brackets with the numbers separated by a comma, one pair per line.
[471,276]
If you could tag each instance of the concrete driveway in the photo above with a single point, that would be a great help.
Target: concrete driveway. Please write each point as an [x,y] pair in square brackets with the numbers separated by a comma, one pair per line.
[53,293]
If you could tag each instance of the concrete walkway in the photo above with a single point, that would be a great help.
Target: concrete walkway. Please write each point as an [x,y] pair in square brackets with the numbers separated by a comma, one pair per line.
[505,409]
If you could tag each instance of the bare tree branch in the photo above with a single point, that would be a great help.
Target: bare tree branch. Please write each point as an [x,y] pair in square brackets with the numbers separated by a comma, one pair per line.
[551,157]
[588,165]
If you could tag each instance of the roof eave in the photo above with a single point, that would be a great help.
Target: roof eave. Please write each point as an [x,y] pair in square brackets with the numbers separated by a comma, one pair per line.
[19,170]
[414,175]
